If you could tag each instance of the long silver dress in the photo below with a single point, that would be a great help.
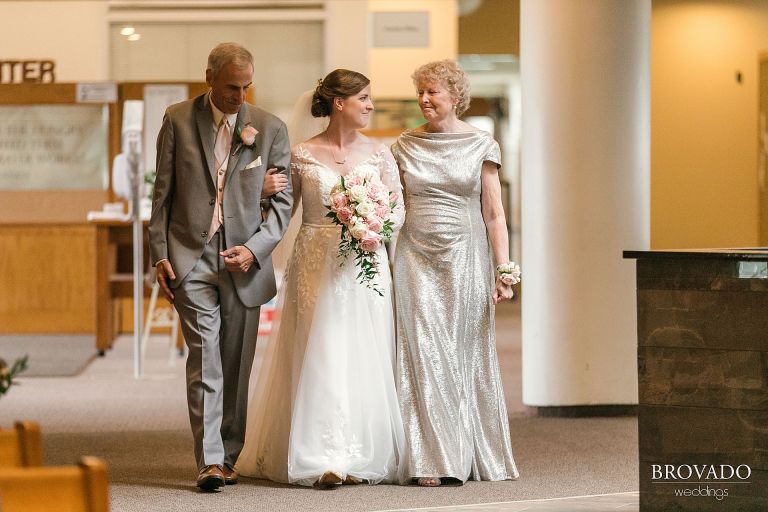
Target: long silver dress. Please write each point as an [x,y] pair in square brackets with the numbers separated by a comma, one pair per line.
[449,384]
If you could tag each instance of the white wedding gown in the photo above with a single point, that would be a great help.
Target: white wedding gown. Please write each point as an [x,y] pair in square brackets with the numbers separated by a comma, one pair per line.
[325,396]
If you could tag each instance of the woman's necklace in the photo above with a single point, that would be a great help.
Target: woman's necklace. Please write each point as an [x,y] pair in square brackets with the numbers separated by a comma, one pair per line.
[341,161]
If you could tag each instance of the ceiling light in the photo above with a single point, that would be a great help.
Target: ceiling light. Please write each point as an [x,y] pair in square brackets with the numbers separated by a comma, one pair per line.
[134,37]
[127,31]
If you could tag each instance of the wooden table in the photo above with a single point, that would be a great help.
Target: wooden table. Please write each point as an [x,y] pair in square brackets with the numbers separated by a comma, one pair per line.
[114,278]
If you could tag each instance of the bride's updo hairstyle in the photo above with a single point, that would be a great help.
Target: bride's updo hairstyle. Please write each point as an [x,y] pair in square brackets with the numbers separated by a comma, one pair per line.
[339,83]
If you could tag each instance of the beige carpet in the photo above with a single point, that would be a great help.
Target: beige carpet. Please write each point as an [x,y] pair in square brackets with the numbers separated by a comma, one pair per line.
[49,355]
[141,428]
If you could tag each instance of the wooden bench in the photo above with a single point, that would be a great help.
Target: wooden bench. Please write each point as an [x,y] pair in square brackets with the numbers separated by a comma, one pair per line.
[81,488]
[22,446]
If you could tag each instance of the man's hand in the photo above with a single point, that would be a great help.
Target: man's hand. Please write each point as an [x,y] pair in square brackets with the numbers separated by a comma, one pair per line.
[274,182]
[164,276]
[238,258]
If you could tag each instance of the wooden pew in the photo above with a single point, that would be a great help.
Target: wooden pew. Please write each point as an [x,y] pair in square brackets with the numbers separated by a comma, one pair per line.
[22,446]
[81,488]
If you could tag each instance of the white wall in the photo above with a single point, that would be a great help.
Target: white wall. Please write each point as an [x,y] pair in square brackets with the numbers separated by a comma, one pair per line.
[346,36]
[288,55]
[76,34]
[348,42]
[391,68]
[72,33]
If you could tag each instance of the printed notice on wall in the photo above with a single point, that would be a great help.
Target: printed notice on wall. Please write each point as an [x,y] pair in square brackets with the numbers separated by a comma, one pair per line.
[401,29]
[53,147]
[156,99]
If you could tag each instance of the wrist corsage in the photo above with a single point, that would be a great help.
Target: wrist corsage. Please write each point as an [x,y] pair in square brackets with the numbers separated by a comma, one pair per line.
[509,273]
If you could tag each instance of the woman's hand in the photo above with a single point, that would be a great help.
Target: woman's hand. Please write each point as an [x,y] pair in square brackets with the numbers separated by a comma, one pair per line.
[502,292]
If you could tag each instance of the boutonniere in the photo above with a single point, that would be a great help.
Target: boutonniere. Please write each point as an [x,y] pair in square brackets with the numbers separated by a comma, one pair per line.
[245,136]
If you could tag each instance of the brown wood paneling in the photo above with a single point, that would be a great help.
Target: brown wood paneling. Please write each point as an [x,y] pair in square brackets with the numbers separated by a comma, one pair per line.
[702,382]
[22,207]
[48,280]
[34,94]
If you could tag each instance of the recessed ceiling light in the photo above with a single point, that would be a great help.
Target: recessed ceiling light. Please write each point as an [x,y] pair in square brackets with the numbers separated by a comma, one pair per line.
[127,31]
[134,37]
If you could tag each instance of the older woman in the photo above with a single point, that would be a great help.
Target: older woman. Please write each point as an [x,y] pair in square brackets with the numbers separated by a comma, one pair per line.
[450,390]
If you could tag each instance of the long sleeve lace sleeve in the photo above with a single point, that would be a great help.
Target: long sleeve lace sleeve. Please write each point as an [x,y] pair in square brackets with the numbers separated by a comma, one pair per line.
[390,176]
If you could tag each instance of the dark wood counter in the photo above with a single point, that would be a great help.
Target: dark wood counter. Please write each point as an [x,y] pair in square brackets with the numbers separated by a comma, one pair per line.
[702,359]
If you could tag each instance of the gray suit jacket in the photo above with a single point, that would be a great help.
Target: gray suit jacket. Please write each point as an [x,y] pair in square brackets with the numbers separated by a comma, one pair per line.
[185,192]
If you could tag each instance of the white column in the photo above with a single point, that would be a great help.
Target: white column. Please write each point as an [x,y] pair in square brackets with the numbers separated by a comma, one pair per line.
[346,35]
[585,196]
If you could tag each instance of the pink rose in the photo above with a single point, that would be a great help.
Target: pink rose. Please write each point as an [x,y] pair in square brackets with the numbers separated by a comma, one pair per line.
[508,279]
[381,211]
[344,214]
[248,135]
[370,242]
[374,223]
[374,191]
[353,181]
[392,197]
[339,201]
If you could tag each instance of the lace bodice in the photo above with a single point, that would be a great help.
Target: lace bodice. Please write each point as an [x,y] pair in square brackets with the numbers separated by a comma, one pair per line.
[300,423]
[317,180]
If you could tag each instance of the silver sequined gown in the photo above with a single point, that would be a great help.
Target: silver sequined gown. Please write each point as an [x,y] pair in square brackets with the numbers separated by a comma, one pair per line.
[449,385]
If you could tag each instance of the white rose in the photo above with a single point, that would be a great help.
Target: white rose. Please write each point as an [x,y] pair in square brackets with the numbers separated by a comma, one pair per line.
[358,193]
[358,229]
[365,208]
[370,175]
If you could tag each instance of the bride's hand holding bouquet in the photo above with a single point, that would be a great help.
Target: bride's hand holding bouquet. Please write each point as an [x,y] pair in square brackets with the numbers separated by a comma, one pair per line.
[364,208]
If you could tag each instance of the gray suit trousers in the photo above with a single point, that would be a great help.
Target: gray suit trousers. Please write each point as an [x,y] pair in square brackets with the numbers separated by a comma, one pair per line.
[221,335]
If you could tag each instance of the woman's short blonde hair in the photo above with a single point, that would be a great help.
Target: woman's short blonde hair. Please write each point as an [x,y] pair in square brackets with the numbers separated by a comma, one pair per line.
[448,74]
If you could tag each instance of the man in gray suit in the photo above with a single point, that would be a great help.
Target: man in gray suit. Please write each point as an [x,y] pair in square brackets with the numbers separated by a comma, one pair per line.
[212,246]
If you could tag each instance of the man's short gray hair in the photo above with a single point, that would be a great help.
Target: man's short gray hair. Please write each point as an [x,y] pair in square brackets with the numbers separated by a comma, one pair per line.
[225,53]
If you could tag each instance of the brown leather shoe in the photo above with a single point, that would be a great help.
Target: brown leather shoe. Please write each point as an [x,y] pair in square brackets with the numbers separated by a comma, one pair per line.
[230,475]
[328,480]
[210,478]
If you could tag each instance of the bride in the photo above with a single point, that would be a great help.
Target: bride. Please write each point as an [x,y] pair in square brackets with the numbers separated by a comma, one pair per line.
[324,409]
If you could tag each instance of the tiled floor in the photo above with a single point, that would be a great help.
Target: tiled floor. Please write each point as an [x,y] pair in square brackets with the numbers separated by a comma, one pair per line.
[623,502]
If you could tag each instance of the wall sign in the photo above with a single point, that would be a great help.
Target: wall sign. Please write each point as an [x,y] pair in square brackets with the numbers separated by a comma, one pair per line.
[27,71]
[53,147]
[96,92]
[401,29]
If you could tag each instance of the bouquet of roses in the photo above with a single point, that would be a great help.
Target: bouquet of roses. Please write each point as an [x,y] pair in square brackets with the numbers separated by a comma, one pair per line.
[363,206]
